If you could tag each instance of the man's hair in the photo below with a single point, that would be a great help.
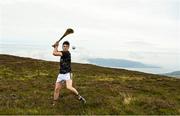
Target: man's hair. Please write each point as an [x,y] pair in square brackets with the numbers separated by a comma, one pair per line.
[66,43]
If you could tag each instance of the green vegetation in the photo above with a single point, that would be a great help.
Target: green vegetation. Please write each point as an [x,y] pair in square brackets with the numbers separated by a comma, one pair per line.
[27,86]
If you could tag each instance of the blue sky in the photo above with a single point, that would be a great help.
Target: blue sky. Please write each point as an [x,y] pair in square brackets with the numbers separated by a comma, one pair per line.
[140,30]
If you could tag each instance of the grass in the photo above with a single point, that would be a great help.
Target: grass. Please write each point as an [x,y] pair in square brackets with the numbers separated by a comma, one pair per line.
[27,86]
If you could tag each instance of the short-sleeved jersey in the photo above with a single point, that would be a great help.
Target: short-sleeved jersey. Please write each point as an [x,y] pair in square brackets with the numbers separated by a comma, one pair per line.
[65,62]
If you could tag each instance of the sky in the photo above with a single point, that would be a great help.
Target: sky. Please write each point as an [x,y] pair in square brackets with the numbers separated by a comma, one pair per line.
[146,31]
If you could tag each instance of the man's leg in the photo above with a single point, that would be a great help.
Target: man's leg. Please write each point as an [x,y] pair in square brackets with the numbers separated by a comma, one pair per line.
[69,86]
[57,88]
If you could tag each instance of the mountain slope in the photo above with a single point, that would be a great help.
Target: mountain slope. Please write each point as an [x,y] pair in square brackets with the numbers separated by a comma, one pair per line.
[27,85]
[119,63]
[173,74]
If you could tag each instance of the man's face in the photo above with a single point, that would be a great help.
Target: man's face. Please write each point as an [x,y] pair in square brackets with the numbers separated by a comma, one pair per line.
[65,47]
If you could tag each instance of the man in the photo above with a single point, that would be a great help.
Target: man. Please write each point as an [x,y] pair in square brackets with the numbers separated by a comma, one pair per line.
[65,74]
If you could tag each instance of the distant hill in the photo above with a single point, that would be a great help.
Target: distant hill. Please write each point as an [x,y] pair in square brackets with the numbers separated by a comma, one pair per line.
[119,63]
[173,74]
[27,86]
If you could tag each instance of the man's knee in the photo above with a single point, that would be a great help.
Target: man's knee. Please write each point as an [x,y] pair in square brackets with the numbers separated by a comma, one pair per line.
[57,89]
[69,87]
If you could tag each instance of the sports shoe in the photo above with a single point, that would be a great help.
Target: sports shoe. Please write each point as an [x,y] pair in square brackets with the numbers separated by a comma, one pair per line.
[82,99]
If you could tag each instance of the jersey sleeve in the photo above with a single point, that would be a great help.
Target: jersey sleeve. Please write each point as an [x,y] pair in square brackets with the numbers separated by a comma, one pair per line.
[62,53]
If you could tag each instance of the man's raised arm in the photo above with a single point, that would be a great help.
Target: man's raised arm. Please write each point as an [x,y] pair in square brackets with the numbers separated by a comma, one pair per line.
[55,51]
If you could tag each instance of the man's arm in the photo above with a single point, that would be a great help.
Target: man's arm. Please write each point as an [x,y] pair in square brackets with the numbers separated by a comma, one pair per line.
[56,52]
